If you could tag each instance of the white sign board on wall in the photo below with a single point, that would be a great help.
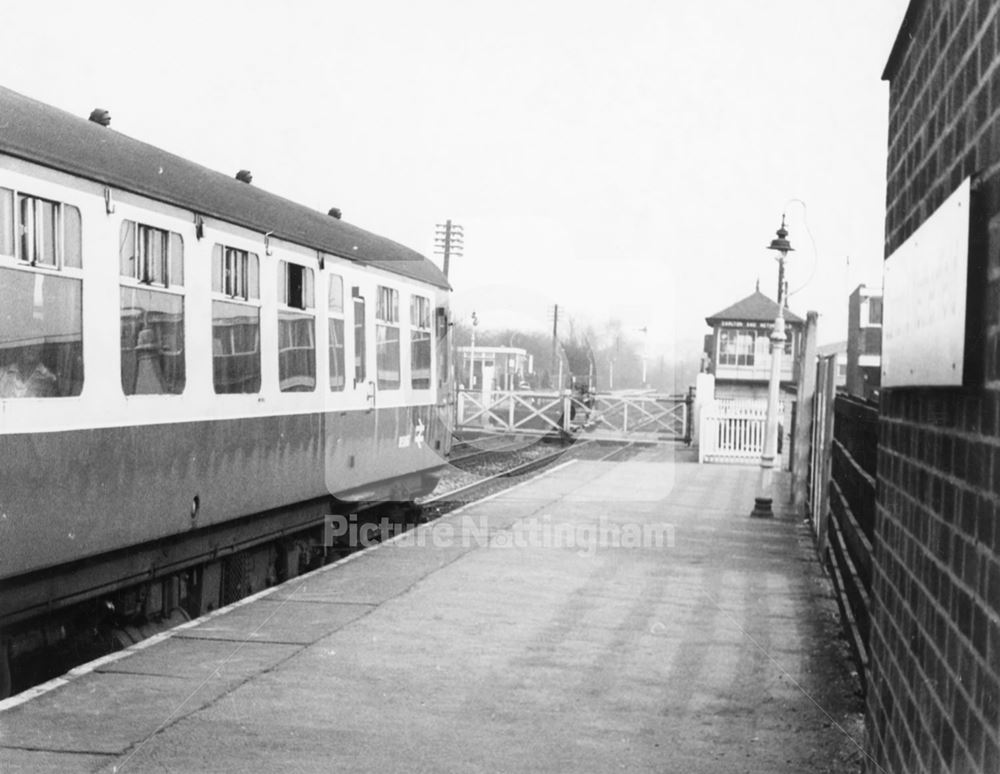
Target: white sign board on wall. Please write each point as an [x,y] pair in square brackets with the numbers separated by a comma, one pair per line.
[923,316]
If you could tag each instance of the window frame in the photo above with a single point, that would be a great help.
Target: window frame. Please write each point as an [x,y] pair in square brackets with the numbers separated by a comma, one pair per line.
[226,291]
[235,274]
[335,314]
[11,252]
[138,279]
[359,325]
[386,323]
[288,312]
[171,260]
[422,325]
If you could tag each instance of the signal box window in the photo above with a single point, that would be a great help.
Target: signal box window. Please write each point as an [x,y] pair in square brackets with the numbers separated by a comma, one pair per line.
[235,320]
[41,290]
[296,328]
[335,307]
[737,348]
[387,338]
[420,342]
[151,264]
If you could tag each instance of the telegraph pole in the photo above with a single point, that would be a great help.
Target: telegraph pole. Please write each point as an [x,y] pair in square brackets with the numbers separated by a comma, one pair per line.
[555,339]
[448,241]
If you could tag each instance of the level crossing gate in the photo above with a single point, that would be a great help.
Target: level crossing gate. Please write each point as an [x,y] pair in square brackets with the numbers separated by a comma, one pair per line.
[638,417]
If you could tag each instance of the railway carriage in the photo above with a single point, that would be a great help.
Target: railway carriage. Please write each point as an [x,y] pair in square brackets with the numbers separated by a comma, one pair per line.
[193,373]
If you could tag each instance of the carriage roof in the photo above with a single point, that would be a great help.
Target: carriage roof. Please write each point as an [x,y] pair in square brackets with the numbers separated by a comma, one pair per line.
[46,135]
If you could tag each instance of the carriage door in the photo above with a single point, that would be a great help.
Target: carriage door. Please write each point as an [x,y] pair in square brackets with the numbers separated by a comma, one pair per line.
[363,383]
[445,382]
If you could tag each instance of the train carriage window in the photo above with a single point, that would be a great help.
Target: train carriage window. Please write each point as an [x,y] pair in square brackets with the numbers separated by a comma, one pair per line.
[41,312]
[152,310]
[235,321]
[387,338]
[152,342]
[235,273]
[151,256]
[40,232]
[420,342]
[235,348]
[296,329]
[360,339]
[6,221]
[335,304]
[41,334]
[72,237]
[295,285]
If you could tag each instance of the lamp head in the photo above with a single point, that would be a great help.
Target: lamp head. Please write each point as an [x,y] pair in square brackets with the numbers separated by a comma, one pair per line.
[781,244]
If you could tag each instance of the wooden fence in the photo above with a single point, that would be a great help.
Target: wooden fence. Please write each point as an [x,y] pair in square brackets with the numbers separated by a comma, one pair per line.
[841,501]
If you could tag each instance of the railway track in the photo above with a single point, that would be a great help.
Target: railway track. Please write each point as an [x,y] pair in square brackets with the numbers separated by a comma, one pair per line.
[437,505]
[475,448]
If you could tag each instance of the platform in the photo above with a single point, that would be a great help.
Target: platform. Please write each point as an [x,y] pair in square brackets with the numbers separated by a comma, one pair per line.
[605,616]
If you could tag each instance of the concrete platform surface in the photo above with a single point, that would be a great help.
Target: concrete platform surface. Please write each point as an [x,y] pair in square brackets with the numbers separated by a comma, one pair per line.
[606,616]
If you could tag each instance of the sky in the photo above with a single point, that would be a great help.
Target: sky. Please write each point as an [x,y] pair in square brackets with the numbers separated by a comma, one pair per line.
[625,161]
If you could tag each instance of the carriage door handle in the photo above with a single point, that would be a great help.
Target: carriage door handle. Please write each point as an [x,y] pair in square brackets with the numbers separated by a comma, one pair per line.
[370,397]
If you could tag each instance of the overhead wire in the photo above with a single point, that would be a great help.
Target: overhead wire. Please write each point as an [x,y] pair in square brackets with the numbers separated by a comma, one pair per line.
[812,241]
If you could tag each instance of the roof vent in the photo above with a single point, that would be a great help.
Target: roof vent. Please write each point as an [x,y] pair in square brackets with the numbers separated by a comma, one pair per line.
[334,212]
[100,116]
[244,176]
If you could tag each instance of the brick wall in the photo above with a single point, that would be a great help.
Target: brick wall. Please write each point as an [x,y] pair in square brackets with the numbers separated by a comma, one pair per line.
[934,694]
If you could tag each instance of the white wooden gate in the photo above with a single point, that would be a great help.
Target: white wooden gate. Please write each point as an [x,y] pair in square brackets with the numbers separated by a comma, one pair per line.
[732,432]
[646,417]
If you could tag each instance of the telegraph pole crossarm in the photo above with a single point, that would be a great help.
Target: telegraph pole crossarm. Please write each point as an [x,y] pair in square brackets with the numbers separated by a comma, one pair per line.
[449,239]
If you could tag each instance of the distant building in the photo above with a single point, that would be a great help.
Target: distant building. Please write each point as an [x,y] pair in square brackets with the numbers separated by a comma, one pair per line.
[503,368]
[739,348]
[864,342]
[839,349]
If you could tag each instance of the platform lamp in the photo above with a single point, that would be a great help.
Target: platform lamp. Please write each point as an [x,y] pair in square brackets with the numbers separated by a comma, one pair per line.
[762,502]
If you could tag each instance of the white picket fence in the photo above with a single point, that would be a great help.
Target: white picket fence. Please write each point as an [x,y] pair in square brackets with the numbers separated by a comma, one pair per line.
[732,431]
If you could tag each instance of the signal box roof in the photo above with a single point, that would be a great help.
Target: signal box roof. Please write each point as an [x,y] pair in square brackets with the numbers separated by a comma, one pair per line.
[754,308]
[51,137]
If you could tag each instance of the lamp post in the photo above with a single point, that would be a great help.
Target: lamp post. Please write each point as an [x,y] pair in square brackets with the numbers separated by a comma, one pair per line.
[762,503]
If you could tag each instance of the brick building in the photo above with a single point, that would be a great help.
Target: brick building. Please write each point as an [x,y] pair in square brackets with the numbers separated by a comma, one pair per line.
[934,690]
[864,342]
